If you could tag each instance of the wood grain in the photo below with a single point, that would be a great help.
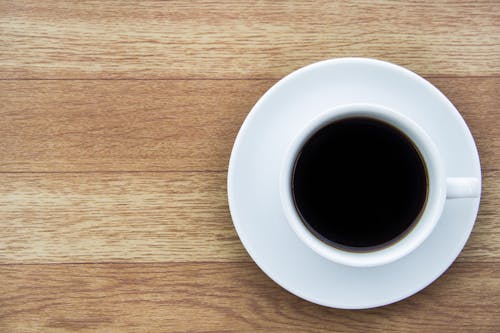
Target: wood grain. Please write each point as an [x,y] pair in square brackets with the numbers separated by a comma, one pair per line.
[151,217]
[117,122]
[236,39]
[168,125]
[116,217]
[225,297]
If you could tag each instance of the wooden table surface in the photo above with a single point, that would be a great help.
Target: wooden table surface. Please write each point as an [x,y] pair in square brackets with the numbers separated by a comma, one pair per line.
[117,122]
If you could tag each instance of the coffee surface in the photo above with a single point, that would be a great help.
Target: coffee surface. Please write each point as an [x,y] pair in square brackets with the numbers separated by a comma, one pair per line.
[359,184]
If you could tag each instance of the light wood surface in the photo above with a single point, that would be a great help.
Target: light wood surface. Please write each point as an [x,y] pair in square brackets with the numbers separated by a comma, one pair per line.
[226,297]
[117,122]
[234,39]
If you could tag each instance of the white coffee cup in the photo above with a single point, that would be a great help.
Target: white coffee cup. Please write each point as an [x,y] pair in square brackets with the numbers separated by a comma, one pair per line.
[440,187]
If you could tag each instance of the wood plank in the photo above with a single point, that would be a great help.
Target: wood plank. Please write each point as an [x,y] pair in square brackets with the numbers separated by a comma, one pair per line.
[150,217]
[116,217]
[168,125]
[225,297]
[236,39]
[122,125]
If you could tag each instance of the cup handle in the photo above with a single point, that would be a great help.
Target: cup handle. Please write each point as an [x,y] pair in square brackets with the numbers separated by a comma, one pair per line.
[462,187]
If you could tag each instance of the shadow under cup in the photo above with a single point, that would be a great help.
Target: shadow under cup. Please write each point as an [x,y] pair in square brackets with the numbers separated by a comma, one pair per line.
[359,184]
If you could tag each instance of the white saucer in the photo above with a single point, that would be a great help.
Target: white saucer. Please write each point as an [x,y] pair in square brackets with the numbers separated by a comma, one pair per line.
[254,172]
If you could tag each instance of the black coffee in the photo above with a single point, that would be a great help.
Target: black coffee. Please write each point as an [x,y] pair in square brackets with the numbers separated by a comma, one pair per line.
[359,184]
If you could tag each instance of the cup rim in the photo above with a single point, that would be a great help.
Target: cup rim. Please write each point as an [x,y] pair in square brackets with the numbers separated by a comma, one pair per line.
[430,213]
